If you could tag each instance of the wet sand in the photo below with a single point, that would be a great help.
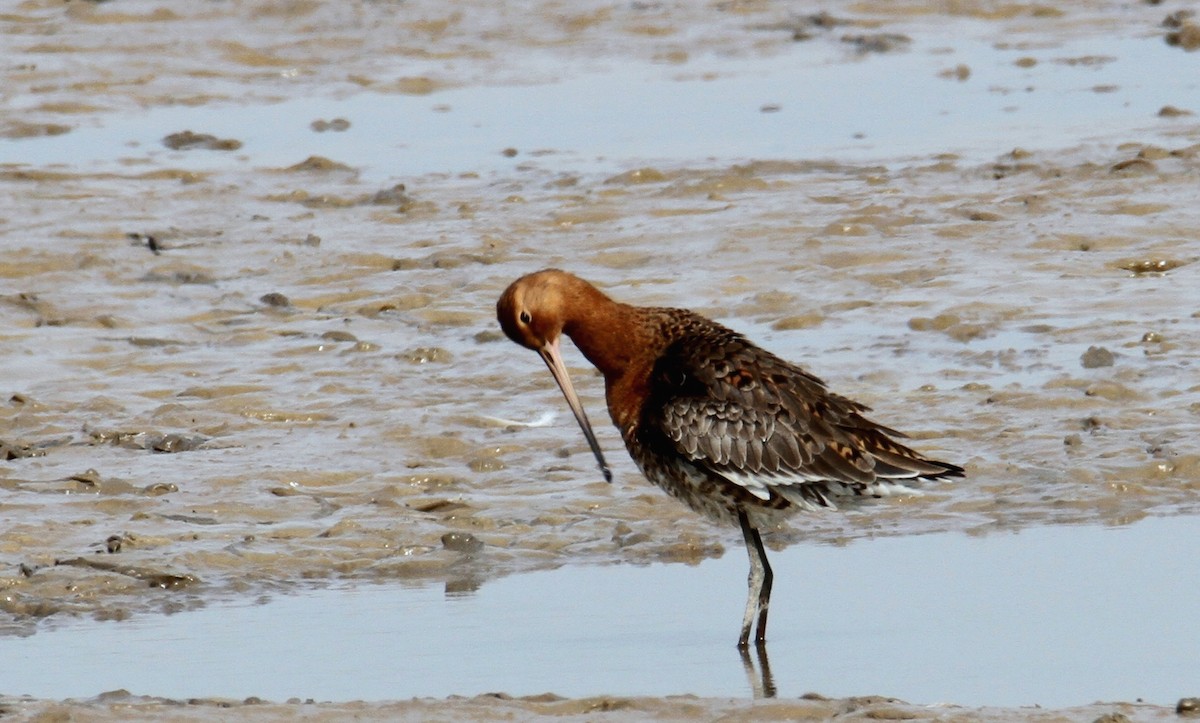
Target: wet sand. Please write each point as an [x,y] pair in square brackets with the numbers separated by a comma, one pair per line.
[260,356]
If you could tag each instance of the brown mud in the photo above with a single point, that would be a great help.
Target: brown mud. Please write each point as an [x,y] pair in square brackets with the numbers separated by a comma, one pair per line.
[121,706]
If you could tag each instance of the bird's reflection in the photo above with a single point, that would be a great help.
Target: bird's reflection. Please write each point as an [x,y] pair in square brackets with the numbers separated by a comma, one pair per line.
[760,679]
[463,586]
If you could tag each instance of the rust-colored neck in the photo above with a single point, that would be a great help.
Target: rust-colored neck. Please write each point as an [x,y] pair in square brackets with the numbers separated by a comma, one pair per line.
[623,342]
[607,332]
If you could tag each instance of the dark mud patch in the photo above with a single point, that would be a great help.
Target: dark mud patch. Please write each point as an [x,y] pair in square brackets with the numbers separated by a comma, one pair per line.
[189,140]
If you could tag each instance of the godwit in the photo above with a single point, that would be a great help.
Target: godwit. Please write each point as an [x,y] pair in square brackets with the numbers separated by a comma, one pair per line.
[733,431]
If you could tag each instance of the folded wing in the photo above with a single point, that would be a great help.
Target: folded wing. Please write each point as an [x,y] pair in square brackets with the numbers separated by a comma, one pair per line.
[773,428]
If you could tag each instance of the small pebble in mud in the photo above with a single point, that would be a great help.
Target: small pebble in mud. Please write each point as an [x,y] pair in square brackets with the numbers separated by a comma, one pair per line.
[1170,111]
[770,108]
[426,355]
[636,176]
[1113,392]
[1188,707]
[624,536]
[509,152]
[318,163]
[802,28]
[877,42]
[960,72]
[1096,356]
[983,216]
[20,129]
[90,478]
[145,239]
[150,342]
[941,322]
[1113,718]
[1177,18]
[1152,337]
[397,194]
[275,299]
[172,443]
[336,125]
[486,464]
[1186,37]
[187,140]
[15,450]
[179,277]
[1152,266]
[1072,440]
[463,542]
[1133,165]
[799,321]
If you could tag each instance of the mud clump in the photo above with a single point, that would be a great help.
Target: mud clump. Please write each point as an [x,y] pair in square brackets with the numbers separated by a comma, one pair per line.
[15,450]
[153,578]
[318,164]
[188,140]
[878,42]
[463,542]
[1186,37]
[1151,266]
[1095,357]
[168,443]
[337,125]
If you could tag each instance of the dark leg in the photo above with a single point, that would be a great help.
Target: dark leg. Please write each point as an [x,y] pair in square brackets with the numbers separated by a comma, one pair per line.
[764,593]
[759,597]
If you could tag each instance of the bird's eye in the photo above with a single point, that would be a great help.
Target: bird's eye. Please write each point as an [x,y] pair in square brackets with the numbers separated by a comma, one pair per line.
[525,317]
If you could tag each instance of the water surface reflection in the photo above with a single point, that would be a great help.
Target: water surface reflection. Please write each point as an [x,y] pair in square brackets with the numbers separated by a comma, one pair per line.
[1050,616]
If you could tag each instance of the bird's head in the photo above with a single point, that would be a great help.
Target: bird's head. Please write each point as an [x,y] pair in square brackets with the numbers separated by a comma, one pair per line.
[533,311]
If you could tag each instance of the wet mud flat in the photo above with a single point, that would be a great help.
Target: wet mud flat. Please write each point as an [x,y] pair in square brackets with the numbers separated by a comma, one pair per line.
[120,706]
[233,367]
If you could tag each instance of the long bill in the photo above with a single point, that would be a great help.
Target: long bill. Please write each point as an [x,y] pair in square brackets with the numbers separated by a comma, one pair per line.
[553,358]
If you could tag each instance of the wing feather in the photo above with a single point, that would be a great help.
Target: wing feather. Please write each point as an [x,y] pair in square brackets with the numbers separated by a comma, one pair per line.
[770,426]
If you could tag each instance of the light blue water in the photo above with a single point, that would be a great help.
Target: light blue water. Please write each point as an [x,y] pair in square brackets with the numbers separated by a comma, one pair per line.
[1053,616]
[879,106]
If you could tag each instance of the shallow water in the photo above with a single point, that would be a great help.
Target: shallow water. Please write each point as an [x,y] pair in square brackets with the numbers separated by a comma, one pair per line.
[236,373]
[718,108]
[1051,616]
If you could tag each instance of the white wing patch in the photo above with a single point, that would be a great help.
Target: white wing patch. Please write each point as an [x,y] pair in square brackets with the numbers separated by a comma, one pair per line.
[812,492]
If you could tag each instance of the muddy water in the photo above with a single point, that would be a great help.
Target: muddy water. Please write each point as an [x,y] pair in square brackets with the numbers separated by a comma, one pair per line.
[264,354]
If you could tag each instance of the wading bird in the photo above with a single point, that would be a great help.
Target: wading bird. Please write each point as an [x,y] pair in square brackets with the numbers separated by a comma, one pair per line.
[733,431]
